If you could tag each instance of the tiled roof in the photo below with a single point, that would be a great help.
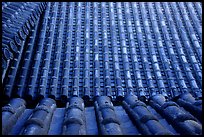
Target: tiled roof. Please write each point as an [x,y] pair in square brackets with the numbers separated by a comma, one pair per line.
[131,117]
[93,49]
[18,18]
[98,68]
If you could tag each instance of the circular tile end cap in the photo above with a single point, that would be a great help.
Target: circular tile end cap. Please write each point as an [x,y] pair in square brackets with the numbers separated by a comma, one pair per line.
[7,54]
[13,46]
[22,35]
[17,40]
[25,30]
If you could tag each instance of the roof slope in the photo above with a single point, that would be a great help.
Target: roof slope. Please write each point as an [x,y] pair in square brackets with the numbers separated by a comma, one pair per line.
[104,49]
[115,68]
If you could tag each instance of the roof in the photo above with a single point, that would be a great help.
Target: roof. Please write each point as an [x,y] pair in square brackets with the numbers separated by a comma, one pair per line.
[131,117]
[94,49]
[101,68]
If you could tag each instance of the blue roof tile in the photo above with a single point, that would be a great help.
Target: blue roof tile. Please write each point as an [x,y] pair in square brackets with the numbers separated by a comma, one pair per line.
[143,118]
[74,119]
[129,117]
[106,117]
[10,114]
[38,123]
[186,123]
[143,57]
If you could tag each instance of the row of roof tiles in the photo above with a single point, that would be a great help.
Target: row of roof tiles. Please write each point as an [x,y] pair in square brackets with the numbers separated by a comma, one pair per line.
[144,50]
[18,18]
[94,49]
[132,116]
